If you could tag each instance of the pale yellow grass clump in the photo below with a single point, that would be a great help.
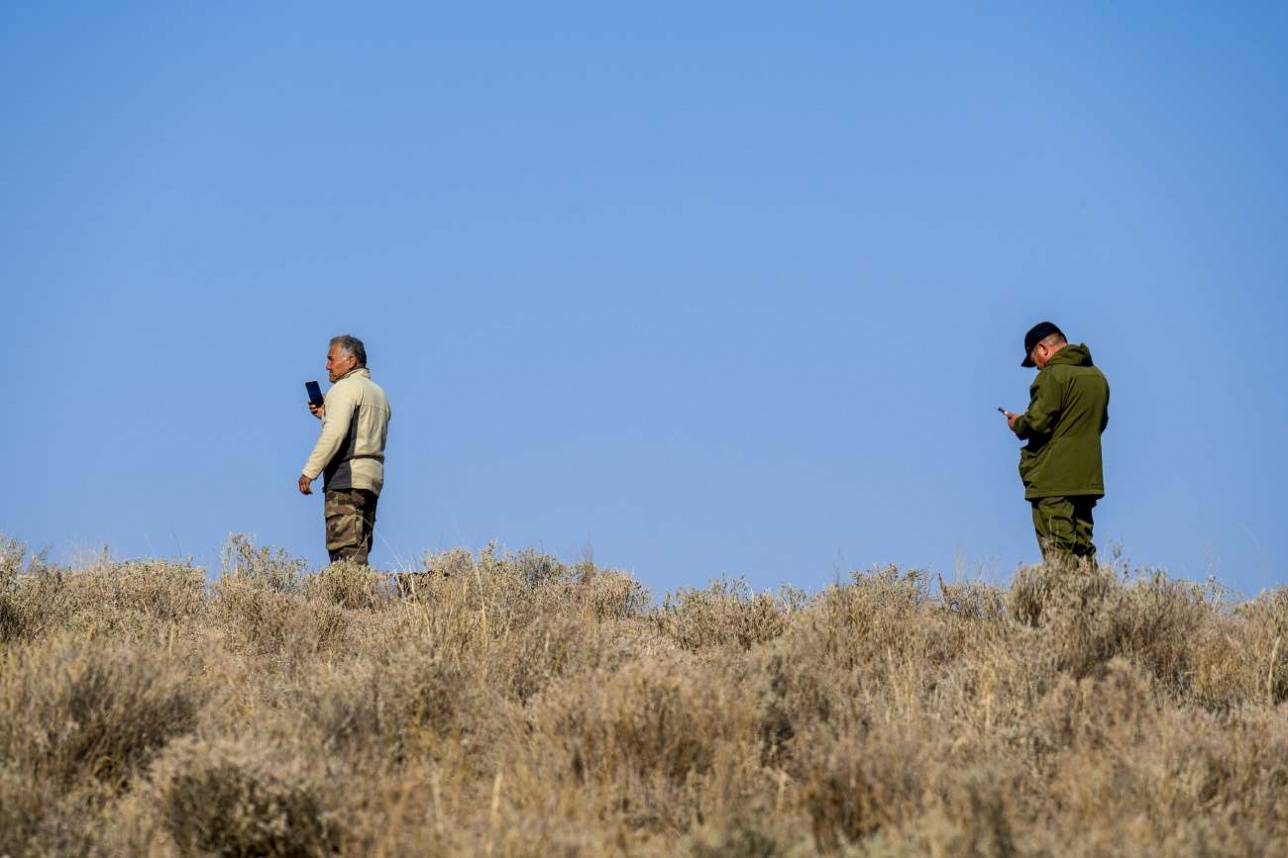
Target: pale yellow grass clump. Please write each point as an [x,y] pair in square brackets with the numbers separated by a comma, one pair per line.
[516,706]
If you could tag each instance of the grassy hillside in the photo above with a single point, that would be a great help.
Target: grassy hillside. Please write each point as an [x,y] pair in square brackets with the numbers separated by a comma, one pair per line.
[516,706]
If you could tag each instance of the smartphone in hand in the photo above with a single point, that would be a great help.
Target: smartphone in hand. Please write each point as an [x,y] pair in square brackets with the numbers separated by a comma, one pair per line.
[315,393]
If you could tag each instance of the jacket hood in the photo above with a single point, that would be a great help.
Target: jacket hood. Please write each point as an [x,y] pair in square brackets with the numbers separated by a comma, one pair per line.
[1072,355]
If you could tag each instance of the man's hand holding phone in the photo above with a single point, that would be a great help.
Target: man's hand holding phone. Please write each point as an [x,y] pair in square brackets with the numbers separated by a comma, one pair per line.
[1010,416]
[317,405]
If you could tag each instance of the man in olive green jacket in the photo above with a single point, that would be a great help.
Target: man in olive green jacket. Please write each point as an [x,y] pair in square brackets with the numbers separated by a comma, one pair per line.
[1061,464]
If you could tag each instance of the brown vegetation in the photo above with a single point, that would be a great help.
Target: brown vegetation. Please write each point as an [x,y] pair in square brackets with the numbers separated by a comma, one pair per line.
[515,706]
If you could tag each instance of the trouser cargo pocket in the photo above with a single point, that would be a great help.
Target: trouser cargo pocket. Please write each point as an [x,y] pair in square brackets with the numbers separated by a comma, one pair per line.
[350,523]
[1064,526]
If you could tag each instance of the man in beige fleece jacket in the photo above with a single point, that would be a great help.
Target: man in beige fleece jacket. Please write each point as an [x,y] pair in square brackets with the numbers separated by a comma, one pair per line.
[350,452]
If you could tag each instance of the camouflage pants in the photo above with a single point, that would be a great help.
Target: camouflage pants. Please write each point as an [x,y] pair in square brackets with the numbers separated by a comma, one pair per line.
[1064,527]
[350,523]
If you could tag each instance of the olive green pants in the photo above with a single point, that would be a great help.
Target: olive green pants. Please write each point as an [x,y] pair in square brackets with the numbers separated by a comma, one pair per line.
[1063,526]
[350,523]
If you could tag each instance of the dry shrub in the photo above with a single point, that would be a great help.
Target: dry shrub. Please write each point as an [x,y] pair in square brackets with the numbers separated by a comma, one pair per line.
[42,823]
[260,620]
[455,562]
[73,710]
[533,568]
[522,585]
[77,720]
[526,620]
[12,553]
[265,567]
[510,704]
[1194,763]
[16,622]
[1091,617]
[741,835]
[664,719]
[159,590]
[856,783]
[793,695]
[973,600]
[403,702]
[1263,648]
[611,595]
[1130,769]
[1079,715]
[239,798]
[1240,656]
[891,789]
[554,647]
[977,807]
[129,597]
[348,585]
[726,614]
[442,664]
[883,621]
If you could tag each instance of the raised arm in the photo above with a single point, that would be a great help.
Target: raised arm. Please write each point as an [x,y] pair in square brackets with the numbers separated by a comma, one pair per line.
[1044,408]
[335,427]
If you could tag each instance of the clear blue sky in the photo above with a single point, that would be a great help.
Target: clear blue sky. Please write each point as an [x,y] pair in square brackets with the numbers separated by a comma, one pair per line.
[699,287]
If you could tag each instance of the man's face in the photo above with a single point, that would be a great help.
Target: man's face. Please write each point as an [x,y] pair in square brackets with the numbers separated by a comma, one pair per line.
[338,362]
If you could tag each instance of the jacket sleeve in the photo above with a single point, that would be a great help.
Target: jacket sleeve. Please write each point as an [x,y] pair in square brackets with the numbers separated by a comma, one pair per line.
[1043,411]
[335,427]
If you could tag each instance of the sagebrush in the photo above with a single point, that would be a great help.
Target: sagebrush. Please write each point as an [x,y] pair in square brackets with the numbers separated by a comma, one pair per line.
[514,705]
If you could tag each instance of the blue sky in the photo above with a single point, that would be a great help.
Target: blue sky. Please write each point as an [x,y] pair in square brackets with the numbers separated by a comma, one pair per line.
[698,288]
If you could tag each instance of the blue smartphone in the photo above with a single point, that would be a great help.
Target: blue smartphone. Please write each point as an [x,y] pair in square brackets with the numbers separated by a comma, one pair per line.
[315,393]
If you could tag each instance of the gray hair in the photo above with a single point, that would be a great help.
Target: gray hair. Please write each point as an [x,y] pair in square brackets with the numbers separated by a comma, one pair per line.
[1056,339]
[353,346]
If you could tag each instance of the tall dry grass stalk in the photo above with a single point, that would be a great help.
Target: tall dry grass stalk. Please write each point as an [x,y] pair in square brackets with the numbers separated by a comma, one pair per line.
[513,705]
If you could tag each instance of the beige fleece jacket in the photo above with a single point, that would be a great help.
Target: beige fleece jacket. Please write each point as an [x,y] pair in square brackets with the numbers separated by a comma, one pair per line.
[351,449]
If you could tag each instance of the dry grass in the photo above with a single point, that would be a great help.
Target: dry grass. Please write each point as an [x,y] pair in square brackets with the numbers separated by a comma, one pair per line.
[515,706]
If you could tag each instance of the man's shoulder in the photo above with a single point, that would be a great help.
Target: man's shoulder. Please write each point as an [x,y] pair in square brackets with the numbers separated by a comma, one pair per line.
[355,380]
[343,384]
[371,389]
[348,388]
[1067,370]
[1092,371]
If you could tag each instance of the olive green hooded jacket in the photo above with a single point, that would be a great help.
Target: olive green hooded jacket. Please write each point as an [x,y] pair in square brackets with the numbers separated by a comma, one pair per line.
[1068,409]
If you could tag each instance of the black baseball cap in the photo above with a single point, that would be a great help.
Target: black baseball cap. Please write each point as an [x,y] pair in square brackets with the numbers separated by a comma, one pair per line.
[1037,334]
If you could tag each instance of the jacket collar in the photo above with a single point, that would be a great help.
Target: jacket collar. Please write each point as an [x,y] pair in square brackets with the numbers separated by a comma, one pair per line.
[1074,354]
[357,370]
